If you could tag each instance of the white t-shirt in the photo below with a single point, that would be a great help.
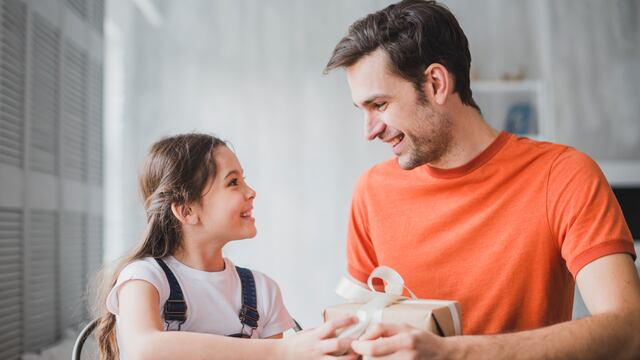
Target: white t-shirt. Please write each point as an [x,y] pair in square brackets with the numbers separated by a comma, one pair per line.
[213,298]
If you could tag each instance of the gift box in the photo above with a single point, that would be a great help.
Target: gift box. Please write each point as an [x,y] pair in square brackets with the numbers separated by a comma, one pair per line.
[441,317]
[430,315]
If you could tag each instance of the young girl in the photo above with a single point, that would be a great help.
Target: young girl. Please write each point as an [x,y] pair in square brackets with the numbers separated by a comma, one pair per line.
[175,296]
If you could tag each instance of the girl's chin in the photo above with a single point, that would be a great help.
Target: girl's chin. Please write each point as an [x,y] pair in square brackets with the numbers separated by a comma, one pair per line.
[252,233]
[246,231]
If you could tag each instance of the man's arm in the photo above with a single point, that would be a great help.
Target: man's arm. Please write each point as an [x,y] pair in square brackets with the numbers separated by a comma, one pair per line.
[611,291]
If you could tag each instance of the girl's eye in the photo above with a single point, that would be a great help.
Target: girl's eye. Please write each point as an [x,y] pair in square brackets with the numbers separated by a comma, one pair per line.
[233,182]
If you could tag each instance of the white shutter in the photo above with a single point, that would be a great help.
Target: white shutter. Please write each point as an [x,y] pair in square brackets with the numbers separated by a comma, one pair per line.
[73,121]
[44,96]
[50,106]
[41,282]
[12,84]
[94,246]
[80,7]
[94,124]
[10,283]
[72,268]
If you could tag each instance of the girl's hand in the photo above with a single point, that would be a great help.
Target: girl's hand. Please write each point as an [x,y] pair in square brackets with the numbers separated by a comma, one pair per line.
[320,343]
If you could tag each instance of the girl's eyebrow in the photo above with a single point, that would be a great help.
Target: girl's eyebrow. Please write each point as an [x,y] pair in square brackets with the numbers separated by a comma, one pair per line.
[232,172]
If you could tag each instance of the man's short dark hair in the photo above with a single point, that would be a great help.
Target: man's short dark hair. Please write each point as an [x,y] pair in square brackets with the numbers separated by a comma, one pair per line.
[414,34]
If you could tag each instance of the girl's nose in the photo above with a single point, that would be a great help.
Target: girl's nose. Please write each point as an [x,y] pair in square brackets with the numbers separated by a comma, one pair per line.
[251,194]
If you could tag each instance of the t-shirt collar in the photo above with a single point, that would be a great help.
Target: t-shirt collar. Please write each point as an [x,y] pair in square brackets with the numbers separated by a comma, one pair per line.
[482,158]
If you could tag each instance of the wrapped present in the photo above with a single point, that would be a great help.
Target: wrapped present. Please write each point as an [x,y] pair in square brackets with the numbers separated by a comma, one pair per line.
[440,317]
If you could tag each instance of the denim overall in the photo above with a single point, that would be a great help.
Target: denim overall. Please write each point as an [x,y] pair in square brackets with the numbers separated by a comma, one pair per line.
[175,309]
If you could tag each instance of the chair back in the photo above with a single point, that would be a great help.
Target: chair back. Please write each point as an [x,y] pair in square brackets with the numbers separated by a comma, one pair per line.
[82,337]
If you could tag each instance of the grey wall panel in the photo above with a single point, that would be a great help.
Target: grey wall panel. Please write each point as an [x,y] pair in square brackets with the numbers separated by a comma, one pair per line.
[73,118]
[96,17]
[10,283]
[41,283]
[72,268]
[12,81]
[44,105]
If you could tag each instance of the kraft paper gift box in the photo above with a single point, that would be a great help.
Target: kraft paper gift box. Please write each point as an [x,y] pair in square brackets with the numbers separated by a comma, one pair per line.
[440,317]
[428,315]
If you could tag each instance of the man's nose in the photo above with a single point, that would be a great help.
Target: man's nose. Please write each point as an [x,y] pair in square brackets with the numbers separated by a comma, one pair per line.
[373,126]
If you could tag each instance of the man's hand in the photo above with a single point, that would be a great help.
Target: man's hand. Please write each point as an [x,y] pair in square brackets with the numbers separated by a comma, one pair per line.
[395,341]
[320,343]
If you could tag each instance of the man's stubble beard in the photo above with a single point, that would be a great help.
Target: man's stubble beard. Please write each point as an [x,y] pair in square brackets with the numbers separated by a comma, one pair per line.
[430,141]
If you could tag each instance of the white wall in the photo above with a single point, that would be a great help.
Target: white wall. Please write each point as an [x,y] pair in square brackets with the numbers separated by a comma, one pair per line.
[251,72]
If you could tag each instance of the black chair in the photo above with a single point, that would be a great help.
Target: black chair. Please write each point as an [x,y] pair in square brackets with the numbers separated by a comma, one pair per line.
[82,337]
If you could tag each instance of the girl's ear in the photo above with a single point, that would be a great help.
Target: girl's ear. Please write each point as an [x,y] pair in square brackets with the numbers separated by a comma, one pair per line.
[184,213]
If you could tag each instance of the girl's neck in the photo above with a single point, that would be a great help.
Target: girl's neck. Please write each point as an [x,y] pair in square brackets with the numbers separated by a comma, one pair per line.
[209,259]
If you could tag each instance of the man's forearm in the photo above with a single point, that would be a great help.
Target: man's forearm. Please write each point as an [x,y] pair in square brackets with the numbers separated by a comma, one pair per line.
[604,336]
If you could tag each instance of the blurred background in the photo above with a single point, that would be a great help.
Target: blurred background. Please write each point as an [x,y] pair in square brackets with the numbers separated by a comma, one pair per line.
[87,85]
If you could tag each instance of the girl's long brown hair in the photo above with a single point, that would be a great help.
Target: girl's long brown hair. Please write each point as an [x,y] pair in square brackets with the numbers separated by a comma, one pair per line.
[176,170]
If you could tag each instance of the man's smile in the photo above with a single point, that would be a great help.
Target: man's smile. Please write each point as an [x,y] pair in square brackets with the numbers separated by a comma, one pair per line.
[396,140]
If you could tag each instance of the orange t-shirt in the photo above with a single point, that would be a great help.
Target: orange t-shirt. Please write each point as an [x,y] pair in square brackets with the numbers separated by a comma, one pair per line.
[504,235]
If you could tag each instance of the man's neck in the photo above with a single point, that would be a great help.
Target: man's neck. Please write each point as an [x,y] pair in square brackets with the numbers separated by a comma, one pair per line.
[471,135]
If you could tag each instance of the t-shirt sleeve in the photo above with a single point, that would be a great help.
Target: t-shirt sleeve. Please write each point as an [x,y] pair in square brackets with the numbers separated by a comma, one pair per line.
[361,255]
[583,213]
[277,318]
[139,270]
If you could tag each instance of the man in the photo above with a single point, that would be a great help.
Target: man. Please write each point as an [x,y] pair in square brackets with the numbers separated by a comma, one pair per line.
[504,225]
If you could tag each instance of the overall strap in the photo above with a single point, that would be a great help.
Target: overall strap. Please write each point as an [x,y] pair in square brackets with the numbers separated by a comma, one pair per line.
[175,309]
[249,311]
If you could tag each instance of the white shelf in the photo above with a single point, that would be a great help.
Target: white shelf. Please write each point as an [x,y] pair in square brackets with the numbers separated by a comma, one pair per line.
[495,98]
[506,86]
[621,172]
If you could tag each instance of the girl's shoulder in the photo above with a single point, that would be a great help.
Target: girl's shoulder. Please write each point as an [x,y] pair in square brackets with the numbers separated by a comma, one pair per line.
[146,269]
[264,283]
[145,266]
[263,279]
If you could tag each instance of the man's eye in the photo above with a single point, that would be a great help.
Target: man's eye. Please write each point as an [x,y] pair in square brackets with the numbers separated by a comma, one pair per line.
[381,106]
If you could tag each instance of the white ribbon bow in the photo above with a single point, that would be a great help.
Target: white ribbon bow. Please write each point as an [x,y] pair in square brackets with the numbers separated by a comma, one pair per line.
[371,312]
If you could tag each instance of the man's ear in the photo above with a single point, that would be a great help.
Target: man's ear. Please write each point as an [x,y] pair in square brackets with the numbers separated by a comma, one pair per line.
[184,213]
[437,84]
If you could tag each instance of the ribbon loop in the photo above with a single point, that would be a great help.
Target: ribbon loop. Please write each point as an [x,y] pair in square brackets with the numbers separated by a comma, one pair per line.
[393,282]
